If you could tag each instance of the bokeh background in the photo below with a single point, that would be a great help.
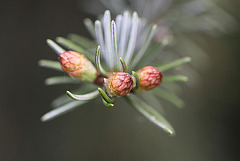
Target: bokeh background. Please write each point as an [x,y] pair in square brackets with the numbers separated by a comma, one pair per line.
[207,128]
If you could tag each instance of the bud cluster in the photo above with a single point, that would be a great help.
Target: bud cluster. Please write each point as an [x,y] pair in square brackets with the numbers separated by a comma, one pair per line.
[116,83]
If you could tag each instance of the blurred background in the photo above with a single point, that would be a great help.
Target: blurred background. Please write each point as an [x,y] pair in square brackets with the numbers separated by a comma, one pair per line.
[207,128]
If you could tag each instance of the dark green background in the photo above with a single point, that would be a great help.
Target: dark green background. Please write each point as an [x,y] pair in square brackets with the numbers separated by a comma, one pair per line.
[207,129]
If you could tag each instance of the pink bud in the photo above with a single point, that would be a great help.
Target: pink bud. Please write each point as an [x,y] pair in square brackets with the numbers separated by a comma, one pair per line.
[77,66]
[150,77]
[119,84]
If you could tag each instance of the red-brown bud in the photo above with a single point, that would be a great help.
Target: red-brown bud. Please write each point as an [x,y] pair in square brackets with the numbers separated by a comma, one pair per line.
[77,66]
[119,84]
[99,80]
[150,77]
